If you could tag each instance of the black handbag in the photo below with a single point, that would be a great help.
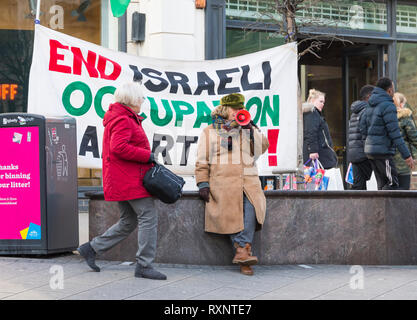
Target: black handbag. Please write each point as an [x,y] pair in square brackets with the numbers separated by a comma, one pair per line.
[163,184]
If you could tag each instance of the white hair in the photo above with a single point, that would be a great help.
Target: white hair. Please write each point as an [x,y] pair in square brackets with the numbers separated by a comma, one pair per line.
[129,93]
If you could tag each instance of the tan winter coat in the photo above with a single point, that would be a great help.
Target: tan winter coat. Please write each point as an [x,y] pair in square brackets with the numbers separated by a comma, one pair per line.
[229,174]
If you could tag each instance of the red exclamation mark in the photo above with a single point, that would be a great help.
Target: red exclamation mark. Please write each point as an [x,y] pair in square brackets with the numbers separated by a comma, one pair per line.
[273,144]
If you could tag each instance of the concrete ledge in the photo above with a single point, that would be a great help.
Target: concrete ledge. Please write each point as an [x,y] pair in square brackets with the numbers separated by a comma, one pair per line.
[301,227]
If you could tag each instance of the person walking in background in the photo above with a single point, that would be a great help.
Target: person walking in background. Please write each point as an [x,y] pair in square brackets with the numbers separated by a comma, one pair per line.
[228,181]
[317,143]
[409,134]
[126,158]
[361,165]
[379,127]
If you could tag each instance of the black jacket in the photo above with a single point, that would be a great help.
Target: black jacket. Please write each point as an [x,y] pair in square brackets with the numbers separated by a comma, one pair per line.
[355,146]
[316,132]
[379,127]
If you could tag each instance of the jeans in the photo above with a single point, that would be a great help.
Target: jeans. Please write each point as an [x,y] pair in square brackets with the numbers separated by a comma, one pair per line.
[249,221]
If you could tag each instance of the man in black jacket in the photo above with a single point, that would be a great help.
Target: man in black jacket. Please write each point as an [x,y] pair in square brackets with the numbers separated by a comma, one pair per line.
[361,165]
[380,129]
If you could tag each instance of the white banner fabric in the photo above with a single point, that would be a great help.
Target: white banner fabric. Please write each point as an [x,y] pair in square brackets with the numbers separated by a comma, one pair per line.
[76,78]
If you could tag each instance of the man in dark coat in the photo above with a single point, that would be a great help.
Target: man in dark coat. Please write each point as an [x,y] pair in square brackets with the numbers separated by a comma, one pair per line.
[379,128]
[361,165]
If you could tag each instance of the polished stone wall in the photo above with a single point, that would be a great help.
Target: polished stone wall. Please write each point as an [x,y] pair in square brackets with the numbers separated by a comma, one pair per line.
[301,227]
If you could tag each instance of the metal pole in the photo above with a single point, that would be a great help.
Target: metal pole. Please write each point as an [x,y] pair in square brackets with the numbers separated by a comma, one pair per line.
[122,26]
[38,10]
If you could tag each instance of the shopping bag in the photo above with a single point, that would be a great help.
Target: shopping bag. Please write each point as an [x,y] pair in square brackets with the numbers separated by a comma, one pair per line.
[371,183]
[309,172]
[318,177]
[349,174]
[324,183]
[335,179]
[313,175]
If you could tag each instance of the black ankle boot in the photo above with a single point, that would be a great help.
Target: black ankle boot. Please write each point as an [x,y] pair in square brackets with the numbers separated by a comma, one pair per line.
[149,273]
[87,251]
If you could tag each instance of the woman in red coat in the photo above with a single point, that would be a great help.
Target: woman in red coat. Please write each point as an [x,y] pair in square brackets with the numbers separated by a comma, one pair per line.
[126,158]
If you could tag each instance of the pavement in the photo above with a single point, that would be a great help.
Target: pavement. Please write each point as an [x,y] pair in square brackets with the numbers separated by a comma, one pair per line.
[67,277]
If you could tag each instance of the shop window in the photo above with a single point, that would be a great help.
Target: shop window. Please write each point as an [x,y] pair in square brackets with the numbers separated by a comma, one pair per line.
[78,18]
[240,42]
[407,73]
[406,18]
[16,57]
[349,14]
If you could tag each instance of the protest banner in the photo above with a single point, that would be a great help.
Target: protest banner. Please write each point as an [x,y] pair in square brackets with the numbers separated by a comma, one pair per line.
[73,77]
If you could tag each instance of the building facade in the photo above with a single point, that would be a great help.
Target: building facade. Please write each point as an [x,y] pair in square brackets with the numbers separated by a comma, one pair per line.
[364,40]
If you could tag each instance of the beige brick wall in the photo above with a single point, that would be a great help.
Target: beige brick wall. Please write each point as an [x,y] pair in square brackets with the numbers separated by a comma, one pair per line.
[89,177]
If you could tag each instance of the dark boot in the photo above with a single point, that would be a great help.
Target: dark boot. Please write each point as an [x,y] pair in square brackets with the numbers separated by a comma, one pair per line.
[148,273]
[243,257]
[87,251]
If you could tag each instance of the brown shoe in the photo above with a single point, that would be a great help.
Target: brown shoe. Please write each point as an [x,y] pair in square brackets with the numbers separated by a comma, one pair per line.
[248,248]
[242,256]
[246,270]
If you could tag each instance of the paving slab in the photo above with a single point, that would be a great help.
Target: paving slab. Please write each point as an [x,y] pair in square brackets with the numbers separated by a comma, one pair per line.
[179,290]
[229,293]
[31,278]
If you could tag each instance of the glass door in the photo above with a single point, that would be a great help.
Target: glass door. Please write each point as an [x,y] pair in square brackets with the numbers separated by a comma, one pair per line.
[361,66]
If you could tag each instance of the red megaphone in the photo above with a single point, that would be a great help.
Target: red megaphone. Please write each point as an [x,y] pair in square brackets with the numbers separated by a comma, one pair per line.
[242,117]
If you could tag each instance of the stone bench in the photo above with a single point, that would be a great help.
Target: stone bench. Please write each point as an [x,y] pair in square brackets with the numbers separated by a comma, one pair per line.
[301,227]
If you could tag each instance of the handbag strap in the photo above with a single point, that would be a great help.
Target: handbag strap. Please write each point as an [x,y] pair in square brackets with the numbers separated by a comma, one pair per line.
[327,144]
[325,138]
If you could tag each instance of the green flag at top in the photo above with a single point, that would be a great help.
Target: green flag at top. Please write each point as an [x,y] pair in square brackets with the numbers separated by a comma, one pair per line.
[118,7]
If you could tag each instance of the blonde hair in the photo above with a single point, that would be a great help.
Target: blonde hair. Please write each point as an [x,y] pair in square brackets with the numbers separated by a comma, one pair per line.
[314,94]
[399,98]
[129,93]
[221,111]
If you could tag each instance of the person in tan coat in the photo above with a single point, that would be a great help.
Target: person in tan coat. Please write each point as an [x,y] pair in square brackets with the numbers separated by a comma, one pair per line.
[228,181]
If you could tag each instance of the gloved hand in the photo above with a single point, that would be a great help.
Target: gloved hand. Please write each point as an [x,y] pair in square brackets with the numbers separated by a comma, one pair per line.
[205,194]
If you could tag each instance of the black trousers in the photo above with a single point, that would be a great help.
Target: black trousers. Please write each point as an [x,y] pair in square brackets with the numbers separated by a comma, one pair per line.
[362,172]
[385,173]
[404,180]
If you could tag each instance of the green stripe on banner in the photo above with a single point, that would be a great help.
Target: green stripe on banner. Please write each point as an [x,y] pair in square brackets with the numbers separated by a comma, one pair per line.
[118,7]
